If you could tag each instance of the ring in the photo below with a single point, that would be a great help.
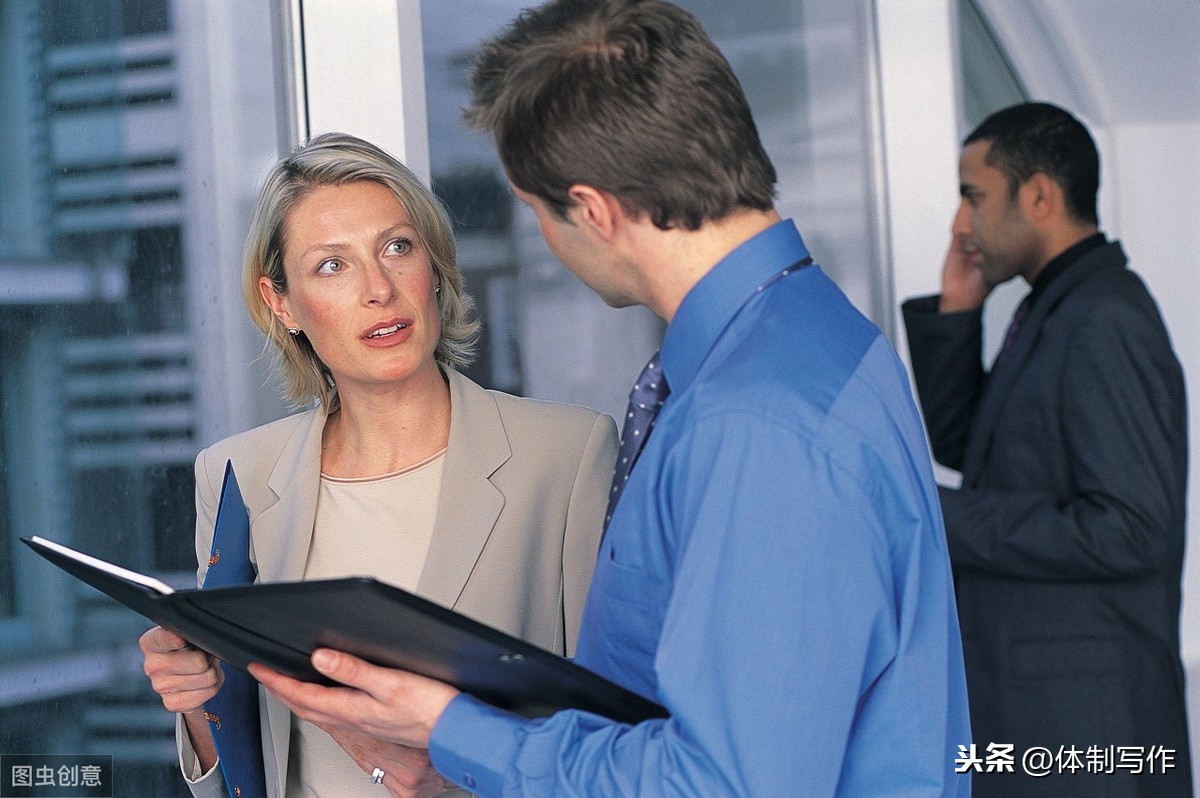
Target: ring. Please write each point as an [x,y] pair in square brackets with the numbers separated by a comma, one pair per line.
[377,776]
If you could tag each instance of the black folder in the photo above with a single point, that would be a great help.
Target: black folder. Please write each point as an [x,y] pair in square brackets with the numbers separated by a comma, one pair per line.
[279,624]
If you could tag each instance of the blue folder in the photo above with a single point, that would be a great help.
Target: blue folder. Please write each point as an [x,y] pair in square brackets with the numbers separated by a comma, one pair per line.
[233,712]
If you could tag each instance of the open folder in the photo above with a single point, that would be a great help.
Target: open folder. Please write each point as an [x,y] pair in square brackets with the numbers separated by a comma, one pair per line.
[279,624]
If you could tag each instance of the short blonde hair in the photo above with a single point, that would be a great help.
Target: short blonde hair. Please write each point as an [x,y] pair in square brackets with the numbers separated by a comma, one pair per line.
[335,159]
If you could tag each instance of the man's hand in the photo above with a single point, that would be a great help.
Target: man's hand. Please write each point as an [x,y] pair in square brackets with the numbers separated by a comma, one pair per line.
[963,286]
[390,705]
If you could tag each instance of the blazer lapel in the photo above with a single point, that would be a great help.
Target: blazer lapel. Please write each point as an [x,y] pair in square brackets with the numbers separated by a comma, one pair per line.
[281,534]
[469,503]
[1005,373]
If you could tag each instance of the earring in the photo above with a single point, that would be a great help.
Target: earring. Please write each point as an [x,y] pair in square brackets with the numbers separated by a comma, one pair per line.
[437,289]
[292,331]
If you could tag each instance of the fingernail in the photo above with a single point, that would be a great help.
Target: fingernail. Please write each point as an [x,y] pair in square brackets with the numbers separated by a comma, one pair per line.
[323,659]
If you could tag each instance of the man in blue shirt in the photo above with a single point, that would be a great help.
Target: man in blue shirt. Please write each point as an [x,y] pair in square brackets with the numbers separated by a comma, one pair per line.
[775,571]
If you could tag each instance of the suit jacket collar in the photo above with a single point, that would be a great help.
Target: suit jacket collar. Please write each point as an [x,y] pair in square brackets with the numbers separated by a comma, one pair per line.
[468,508]
[282,531]
[1001,380]
[469,504]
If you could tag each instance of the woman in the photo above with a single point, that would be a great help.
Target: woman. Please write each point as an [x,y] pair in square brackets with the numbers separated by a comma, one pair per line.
[404,470]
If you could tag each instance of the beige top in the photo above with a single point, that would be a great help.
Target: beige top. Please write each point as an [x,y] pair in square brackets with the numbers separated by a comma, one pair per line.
[377,526]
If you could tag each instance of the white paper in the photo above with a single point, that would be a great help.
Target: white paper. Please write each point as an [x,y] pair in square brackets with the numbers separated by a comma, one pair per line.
[115,570]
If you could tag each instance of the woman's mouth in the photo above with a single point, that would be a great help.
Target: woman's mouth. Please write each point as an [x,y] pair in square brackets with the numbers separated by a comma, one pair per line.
[390,330]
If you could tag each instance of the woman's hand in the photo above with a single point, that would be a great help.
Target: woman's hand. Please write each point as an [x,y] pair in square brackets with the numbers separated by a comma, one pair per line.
[184,677]
[407,771]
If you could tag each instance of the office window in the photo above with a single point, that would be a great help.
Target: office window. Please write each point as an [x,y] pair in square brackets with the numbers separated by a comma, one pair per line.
[71,22]
[132,134]
[805,67]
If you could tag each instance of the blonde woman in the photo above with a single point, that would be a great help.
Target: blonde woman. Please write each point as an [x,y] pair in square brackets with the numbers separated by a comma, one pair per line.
[401,468]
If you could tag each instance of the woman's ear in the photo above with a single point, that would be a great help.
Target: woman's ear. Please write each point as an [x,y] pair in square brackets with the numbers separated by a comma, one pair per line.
[276,301]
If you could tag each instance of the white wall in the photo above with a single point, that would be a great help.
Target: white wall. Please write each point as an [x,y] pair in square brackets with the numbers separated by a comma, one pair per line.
[1154,177]
[917,96]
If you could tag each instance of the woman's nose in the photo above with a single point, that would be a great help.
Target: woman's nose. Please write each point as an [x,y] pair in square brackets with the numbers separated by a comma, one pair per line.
[378,287]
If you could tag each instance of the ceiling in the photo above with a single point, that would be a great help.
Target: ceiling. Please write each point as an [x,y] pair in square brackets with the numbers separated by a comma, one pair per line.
[1117,62]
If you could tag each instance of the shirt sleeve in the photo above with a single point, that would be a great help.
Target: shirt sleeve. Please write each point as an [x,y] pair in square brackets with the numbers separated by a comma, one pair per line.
[780,619]
[209,784]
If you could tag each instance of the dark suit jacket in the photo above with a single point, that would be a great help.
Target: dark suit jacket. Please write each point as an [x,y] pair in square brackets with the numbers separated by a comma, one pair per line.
[1067,535]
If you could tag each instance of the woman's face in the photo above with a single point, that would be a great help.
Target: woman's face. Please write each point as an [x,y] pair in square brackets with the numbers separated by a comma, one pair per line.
[360,286]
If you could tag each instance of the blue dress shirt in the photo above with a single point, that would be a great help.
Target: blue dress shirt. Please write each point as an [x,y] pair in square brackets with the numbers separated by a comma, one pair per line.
[775,573]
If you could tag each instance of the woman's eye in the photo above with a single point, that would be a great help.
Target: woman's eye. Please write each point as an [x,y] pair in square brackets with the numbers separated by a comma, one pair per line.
[331,266]
[399,246]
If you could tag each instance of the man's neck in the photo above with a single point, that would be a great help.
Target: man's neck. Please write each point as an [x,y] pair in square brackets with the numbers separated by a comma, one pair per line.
[671,262]
[1058,243]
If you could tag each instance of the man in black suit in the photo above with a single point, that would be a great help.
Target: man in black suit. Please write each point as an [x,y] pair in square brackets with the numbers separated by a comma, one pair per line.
[1067,535]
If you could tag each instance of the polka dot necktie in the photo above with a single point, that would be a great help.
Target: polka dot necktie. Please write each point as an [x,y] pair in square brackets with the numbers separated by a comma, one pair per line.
[647,396]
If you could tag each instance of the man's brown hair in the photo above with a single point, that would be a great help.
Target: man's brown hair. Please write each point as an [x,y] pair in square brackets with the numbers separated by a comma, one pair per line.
[627,96]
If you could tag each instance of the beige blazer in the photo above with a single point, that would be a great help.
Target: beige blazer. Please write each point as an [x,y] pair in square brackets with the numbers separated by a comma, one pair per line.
[524,489]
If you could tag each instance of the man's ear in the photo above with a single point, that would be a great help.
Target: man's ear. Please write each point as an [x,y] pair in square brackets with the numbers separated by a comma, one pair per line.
[1042,198]
[595,209]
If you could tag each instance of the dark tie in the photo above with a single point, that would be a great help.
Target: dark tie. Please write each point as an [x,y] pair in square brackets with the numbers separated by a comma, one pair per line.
[1014,327]
[647,396]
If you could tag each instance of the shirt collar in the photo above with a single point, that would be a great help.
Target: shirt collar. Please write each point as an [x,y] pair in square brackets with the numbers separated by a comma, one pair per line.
[711,304]
[1059,263]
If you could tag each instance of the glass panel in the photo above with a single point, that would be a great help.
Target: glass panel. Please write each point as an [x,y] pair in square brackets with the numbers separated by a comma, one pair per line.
[116,268]
[805,69]
[804,66]
[989,82]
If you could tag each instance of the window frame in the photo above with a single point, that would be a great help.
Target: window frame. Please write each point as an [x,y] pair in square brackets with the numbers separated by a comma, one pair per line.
[357,68]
